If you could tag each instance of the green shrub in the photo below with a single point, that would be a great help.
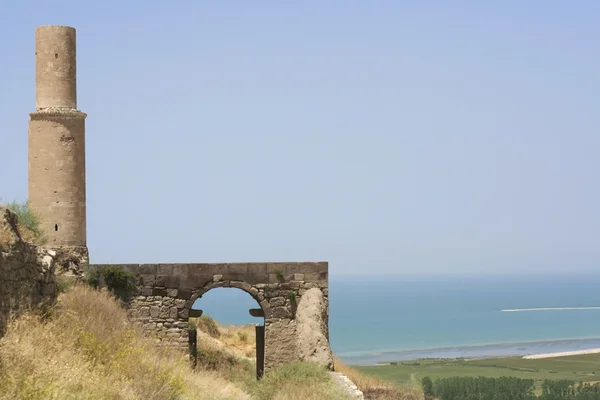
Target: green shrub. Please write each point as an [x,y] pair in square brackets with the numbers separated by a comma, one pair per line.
[117,278]
[65,282]
[91,276]
[428,387]
[280,275]
[292,297]
[29,220]
[118,281]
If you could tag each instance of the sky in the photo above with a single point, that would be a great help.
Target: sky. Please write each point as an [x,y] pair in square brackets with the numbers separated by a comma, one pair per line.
[386,137]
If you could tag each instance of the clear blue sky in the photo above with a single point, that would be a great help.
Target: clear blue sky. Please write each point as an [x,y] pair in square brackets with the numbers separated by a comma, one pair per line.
[386,137]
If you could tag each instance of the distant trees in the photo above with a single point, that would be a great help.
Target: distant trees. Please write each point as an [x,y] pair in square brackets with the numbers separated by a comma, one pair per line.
[507,388]
[466,388]
[565,389]
[428,388]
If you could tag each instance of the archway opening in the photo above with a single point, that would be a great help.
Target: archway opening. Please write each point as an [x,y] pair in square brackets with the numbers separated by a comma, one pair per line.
[229,331]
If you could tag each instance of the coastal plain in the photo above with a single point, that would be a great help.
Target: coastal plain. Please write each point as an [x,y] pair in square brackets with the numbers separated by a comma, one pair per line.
[585,368]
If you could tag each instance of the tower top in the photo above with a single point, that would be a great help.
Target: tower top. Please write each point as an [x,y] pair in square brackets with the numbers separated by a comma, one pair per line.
[55,67]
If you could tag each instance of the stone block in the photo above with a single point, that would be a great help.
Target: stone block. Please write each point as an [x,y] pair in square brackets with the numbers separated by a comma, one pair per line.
[246,287]
[257,271]
[280,312]
[148,280]
[179,303]
[172,292]
[172,281]
[277,301]
[314,277]
[147,269]
[160,280]
[164,312]
[273,268]
[184,294]
[238,269]
[164,269]
[218,268]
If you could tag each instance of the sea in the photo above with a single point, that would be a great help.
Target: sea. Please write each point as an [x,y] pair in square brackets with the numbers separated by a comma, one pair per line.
[375,320]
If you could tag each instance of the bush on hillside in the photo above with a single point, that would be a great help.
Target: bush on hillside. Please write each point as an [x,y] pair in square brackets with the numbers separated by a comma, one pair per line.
[118,281]
[207,324]
[29,223]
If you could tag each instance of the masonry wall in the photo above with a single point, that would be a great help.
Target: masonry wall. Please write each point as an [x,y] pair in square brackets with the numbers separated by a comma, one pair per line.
[27,276]
[57,188]
[166,293]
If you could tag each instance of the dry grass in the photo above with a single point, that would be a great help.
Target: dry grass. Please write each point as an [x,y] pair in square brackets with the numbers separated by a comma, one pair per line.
[87,350]
[239,341]
[374,388]
[299,380]
[221,342]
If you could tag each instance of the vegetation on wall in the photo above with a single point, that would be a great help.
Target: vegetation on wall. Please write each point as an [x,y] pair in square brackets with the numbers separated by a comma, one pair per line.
[116,279]
[29,222]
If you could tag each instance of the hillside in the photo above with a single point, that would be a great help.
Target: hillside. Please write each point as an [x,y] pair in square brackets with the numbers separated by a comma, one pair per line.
[84,348]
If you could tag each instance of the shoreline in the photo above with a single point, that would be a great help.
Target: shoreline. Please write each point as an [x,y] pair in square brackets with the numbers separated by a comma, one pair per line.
[537,349]
[561,354]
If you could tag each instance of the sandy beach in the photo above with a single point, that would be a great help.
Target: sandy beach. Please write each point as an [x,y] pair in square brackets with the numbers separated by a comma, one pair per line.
[562,354]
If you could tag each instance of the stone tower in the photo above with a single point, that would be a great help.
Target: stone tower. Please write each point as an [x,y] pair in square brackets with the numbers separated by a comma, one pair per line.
[57,141]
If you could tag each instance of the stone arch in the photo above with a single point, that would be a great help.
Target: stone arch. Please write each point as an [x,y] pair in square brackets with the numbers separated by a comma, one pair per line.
[259,338]
[252,290]
[165,293]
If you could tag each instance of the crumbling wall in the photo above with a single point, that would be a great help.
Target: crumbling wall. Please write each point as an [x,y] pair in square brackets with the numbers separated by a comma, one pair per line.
[27,277]
[312,337]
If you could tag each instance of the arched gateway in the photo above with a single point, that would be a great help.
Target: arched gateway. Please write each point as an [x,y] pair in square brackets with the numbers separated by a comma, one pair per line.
[165,293]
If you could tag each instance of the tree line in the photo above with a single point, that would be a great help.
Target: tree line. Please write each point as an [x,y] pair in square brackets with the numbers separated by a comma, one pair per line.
[507,388]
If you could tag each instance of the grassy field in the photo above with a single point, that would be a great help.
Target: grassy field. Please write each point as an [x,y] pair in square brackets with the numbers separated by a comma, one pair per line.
[577,368]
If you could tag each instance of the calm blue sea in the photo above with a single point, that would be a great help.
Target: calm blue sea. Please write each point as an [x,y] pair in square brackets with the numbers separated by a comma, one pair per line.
[382,320]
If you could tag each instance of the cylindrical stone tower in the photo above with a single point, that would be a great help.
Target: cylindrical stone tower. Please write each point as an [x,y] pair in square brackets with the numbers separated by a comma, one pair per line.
[57,140]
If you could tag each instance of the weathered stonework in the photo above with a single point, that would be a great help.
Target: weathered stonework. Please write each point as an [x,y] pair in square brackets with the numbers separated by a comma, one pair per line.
[166,292]
[312,332]
[26,271]
[57,188]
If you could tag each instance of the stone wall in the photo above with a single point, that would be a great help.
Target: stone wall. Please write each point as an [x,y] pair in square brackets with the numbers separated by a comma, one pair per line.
[27,276]
[166,292]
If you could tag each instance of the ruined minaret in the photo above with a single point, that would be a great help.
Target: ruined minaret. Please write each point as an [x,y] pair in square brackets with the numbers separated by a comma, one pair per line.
[57,141]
